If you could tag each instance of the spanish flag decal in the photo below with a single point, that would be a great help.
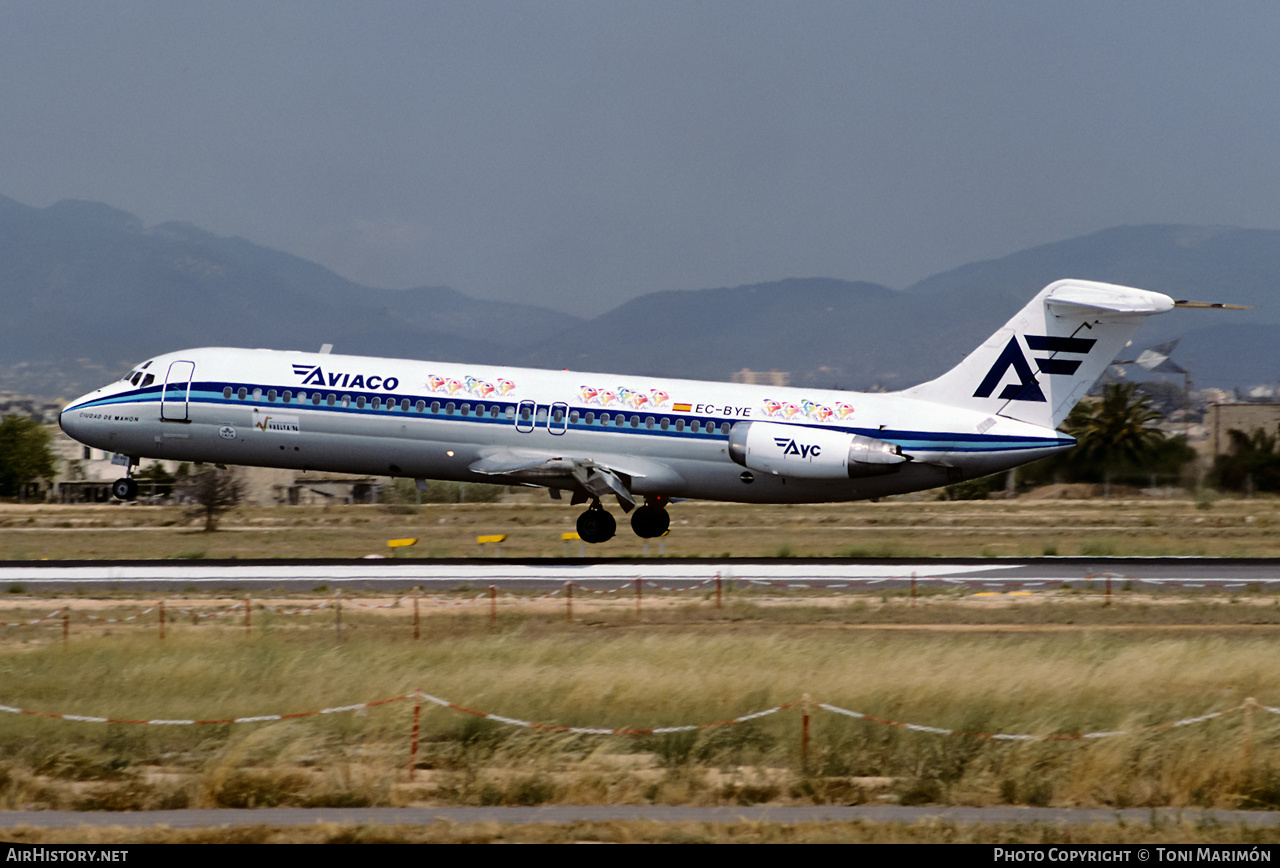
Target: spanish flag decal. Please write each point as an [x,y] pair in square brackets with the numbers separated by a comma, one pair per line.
[681,408]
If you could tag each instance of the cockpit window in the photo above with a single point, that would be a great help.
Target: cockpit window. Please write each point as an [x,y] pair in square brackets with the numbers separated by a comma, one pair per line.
[148,380]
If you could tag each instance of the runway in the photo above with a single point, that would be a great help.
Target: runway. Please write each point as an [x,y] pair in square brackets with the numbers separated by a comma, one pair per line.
[553,814]
[681,573]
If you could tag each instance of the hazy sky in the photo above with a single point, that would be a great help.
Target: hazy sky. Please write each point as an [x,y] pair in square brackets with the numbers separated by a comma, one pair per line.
[577,154]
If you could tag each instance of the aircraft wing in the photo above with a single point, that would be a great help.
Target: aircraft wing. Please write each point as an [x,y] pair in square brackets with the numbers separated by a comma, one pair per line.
[596,475]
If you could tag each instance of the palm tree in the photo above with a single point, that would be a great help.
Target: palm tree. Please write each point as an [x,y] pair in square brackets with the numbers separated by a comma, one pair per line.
[1115,431]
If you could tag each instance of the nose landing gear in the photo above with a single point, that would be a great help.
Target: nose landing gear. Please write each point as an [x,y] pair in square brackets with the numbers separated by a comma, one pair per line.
[126,488]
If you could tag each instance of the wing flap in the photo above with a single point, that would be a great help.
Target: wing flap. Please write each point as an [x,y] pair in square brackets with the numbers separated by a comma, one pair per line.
[597,475]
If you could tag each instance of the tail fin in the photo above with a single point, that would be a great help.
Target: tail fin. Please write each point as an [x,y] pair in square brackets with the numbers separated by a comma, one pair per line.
[1045,359]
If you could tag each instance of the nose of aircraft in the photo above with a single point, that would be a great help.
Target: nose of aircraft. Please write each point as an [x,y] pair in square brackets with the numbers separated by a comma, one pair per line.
[71,419]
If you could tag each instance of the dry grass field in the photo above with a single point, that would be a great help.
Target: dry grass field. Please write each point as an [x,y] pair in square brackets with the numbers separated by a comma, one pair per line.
[1056,663]
[1059,664]
[533,525]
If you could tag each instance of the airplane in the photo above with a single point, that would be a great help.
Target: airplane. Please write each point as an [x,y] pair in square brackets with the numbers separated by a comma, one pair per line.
[643,440]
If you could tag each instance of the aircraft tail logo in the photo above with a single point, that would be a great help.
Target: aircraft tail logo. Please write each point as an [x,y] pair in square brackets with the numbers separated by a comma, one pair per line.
[1028,389]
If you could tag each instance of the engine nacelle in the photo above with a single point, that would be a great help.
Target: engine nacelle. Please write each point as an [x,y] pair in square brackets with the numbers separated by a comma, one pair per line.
[811,453]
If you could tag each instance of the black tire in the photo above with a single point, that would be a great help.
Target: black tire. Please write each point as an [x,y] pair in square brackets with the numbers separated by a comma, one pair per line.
[650,521]
[596,526]
[125,489]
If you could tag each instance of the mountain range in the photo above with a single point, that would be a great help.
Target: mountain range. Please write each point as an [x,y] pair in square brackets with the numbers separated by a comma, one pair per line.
[89,291]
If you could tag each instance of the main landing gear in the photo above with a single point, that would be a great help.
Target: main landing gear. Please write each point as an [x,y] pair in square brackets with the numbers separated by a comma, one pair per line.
[595,525]
[649,521]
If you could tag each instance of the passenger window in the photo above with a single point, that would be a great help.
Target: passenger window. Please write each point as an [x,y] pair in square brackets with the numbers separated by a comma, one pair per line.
[724,427]
[420,406]
[448,408]
[287,397]
[377,403]
[679,424]
[271,394]
[648,422]
[257,394]
[465,409]
[524,414]
[479,409]
[331,400]
[493,412]
[604,418]
[404,405]
[665,423]
[346,400]
[510,412]
[242,393]
[435,406]
[226,392]
[591,418]
[573,417]
[635,421]
[360,402]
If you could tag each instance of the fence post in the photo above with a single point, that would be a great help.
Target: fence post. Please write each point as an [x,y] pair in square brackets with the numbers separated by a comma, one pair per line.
[804,733]
[1249,704]
[413,739]
[162,620]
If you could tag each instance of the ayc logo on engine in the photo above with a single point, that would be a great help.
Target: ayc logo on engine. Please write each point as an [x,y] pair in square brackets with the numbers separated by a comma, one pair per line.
[1028,389]
[791,447]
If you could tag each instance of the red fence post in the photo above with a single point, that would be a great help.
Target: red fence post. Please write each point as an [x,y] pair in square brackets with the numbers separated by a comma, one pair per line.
[413,740]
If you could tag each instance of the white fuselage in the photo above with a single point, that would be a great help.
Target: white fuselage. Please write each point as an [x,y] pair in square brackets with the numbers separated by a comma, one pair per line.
[426,420]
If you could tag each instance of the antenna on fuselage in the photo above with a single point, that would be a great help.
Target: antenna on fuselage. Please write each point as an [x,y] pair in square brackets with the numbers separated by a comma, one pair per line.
[325,349]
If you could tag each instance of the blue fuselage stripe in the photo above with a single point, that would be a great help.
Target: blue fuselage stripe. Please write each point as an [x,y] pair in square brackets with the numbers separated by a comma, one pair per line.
[214,394]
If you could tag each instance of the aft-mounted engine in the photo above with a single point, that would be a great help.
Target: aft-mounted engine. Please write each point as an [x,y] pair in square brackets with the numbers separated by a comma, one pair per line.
[811,453]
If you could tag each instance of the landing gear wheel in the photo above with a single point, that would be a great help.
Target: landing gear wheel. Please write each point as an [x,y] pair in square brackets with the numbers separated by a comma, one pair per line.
[650,521]
[125,489]
[596,526]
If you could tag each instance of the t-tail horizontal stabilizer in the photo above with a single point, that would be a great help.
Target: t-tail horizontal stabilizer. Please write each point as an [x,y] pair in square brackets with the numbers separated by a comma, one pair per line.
[1046,358]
